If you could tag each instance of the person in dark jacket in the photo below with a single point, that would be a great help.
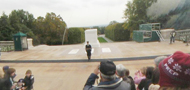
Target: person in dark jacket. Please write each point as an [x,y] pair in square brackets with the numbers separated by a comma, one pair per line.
[145,83]
[8,82]
[109,81]
[88,50]
[123,73]
[29,80]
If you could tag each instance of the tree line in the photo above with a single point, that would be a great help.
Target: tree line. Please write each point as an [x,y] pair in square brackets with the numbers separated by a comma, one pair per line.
[44,30]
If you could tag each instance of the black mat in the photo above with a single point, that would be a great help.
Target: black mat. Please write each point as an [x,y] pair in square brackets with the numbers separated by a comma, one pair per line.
[79,60]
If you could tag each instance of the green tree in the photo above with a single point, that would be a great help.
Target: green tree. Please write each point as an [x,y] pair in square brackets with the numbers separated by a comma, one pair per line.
[50,29]
[6,31]
[136,13]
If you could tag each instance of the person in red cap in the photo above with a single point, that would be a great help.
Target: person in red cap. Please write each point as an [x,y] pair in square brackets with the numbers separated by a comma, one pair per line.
[175,72]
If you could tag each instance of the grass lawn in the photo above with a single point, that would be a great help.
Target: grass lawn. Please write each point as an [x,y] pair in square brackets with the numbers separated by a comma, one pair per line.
[101,40]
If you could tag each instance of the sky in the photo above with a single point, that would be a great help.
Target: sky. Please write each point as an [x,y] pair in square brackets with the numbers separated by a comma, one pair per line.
[76,13]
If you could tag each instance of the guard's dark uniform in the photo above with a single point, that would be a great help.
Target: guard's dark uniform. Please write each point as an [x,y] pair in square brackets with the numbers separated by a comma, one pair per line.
[88,51]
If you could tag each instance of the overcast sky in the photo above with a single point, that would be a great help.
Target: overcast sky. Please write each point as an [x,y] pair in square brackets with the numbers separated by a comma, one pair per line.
[76,13]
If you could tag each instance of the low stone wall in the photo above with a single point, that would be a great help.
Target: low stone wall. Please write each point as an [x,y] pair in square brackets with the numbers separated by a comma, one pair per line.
[6,46]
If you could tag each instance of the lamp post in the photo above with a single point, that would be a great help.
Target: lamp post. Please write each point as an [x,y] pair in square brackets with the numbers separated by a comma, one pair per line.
[64,34]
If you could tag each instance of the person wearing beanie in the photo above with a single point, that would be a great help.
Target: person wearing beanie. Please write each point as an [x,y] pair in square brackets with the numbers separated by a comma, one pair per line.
[5,69]
[28,80]
[175,72]
[8,83]
[109,81]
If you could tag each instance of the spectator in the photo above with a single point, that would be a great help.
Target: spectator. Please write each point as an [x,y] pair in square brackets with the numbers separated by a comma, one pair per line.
[8,83]
[1,74]
[156,73]
[122,72]
[157,60]
[5,70]
[1,78]
[139,75]
[175,72]
[145,83]
[155,79]
[29,80]
[107,70]
[20,84]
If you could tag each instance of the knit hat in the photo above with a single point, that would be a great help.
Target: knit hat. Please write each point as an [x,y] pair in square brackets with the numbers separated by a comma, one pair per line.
[175,70]
[107,68]
[157,60]
[5,68]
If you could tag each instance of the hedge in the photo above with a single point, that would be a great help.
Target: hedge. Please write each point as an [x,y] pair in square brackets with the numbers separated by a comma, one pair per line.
[76,35]
[116,32]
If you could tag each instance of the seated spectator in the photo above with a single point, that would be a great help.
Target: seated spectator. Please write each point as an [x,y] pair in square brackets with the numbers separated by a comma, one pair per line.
[156,73]
[122,72]
[139,75]
[175,72]
[8,83]
[107,70]
[155,79]
[20,85]
[157,60]
[1,78]
[29,80]
[1,74]
[5,69]
[145,83]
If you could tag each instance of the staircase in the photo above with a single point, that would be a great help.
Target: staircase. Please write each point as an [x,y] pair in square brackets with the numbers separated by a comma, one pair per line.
[160,35]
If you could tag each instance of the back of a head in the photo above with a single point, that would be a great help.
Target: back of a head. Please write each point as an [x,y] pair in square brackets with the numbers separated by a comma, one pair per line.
[5,68]
[10,71]
[28,72]
[157,60]
[121,70]
[149,72]
[143,70]
[155,76]
[107,69]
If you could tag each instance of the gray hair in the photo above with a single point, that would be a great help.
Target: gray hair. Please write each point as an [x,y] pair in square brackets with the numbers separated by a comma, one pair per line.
[121,70]
[112,77]
[157,60]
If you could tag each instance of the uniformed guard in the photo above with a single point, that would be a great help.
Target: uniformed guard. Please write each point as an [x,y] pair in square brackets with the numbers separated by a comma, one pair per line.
[88,50]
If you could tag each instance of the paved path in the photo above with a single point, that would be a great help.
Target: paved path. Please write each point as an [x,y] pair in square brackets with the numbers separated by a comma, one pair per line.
[66,76]
[107,39]
[116,50]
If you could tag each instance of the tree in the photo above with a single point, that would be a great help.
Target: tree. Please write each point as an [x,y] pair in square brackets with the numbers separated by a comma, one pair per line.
[136,13]
[6,31]
[50,29]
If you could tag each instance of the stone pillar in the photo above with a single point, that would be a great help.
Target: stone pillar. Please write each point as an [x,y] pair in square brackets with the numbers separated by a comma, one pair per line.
[30,44]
